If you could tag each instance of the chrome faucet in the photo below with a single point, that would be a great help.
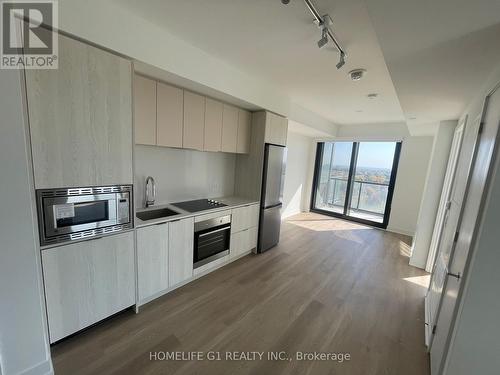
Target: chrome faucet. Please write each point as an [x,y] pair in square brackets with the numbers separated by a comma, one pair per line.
[150,200]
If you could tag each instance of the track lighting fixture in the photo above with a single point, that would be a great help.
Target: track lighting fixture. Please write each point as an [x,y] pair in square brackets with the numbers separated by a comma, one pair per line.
[326,32]
[324,37]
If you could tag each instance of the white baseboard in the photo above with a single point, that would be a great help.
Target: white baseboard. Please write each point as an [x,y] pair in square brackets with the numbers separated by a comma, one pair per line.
[401,231]
[42,368]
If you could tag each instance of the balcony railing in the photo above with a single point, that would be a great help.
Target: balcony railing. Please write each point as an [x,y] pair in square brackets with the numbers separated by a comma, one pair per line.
[369,197]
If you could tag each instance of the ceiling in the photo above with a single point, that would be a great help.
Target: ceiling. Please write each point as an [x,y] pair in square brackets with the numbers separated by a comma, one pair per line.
[278,44]
[441,55]
[424,58]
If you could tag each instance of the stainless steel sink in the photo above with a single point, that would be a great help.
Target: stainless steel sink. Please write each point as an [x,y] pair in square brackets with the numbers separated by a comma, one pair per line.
[155,214]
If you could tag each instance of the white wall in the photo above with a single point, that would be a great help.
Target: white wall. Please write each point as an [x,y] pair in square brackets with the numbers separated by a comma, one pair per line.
[182,174]
[410,182]
[297,189]
[432,193]
[24,344]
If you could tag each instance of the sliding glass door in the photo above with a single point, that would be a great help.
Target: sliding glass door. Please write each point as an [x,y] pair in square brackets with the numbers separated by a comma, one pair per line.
[355,180]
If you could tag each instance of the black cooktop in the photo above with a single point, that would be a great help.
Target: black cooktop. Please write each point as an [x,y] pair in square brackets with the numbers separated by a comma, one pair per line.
[198,205]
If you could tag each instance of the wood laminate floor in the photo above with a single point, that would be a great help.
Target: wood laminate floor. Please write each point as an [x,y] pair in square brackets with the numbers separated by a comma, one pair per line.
[330,286]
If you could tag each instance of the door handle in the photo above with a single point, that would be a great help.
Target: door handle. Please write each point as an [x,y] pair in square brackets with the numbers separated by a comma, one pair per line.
[456,275]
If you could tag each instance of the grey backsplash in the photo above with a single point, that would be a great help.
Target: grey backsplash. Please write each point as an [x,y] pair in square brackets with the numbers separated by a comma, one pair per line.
[182,174]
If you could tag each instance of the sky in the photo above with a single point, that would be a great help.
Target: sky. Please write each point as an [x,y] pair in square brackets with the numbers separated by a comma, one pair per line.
[371,154]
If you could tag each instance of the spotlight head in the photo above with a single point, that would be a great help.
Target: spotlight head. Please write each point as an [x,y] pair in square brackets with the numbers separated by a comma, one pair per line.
[324,38]
[286,2]
[341,62]
[322,42]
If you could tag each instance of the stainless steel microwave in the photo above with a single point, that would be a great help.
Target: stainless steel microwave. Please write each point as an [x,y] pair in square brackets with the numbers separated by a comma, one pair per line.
[78,213]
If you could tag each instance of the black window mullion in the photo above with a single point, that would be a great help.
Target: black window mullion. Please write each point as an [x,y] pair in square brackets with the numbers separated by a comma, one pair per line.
[350,178]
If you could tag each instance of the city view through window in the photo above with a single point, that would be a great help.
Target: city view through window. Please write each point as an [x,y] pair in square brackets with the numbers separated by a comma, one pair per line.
[371,175]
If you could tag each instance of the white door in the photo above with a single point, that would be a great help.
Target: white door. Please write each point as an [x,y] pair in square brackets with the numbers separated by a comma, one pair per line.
[451,223]
[444,232]
[468,222]
[444,203]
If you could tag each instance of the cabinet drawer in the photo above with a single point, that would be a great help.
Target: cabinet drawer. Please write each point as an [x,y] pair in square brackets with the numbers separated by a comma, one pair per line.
[244,217]
[242,242]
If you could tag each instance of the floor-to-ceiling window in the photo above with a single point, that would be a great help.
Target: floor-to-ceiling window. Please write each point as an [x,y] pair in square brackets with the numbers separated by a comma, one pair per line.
[355,180]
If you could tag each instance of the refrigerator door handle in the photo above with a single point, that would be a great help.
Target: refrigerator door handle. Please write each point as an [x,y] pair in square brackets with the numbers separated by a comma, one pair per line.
[273,206]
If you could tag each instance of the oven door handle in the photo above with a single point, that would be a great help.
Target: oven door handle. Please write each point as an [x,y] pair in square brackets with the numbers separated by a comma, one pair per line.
[215,231]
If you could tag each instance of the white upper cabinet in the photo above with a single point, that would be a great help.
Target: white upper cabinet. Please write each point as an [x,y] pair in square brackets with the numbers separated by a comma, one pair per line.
[276,129]
[213,125]
[229,128]
[169,115]
[194,121]
[172,117]
[244,131]
[144,110]
[80,118]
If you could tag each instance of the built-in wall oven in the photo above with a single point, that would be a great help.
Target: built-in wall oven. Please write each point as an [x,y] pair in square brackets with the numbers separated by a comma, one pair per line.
[211,240]
[78,213]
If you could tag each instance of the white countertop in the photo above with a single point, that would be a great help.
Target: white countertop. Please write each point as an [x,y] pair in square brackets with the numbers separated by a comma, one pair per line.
[231,202]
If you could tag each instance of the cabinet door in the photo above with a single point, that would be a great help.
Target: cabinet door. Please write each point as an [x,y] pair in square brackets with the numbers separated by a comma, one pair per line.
[194,121]
[276,129]
[144,110]
[254,211]
[87,281]
[252,238]
[240,219]
[213,125]
[229,128]
[80,118]
[244,131]
[152,260]
[180,256]
[242,242]
[244,217]
[169,115]
[237,246]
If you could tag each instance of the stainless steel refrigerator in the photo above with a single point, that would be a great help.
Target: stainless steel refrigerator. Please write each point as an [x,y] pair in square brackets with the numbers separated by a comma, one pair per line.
[272,196]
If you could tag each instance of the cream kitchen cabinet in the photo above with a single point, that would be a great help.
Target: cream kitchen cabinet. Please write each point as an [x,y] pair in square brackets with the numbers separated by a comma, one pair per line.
[244,131]
[152,260]
[244,217]
[80,118]
[213,125]
[276,129]
[243,242]
[145,110]
[180,256]
[244,223]
[229,128]
[169,115]
[87,281]
[194,121]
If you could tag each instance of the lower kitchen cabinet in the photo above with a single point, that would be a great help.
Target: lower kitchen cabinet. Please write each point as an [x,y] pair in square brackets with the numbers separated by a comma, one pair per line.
[244,217]
[242,242]
[87,281]
[152,260]
[180,256]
